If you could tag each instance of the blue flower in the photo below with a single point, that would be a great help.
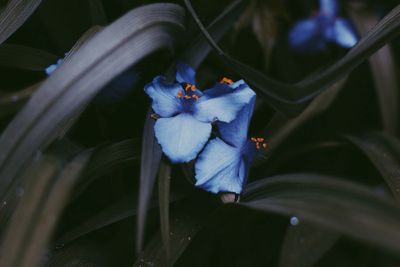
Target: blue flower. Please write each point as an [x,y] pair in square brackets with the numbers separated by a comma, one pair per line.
[315,33]
[186,114]
[223,165]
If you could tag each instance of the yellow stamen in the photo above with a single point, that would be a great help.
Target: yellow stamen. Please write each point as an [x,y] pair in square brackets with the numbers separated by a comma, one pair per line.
[195,97]
[193,88]
[187,97]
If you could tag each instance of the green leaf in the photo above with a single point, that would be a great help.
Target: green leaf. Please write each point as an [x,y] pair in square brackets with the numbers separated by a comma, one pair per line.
[183,228]
[305,244]
[150,162]
[337,205]
[383,70]
[63,96]
[14,14]
[383,151]
[164,184]
[45,199]
[26,58]
[97,13]
[292,99]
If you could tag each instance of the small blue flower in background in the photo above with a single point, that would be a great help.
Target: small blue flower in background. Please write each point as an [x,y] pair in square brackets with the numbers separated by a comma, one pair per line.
[186,114]
[313,34]
[223,165]
[50,69]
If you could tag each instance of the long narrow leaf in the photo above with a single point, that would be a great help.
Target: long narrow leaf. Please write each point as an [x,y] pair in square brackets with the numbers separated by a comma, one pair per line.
[383,151]
[26,58]
[69,89]
[97,12]
[14,14]
[150,161]
[383,71]
[164,183]
[303,238]
[183,228]
[50,211]
[292,99]
[334,204]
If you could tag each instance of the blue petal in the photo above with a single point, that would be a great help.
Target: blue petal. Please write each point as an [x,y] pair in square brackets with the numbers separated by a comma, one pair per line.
[222,88]
[235,132]
[185,74]
[306,35]
[344,34]
[224,107]
[329,7]
[182,137]
[165,103]
[220,168]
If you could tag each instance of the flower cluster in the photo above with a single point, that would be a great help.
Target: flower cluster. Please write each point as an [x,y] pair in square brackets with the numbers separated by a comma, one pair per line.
[186,118]
[325,26]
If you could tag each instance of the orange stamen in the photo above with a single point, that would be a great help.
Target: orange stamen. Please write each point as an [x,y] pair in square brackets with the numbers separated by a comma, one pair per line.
[195,97]
[188,86]
[187,97]
[226,80]
[193,88]
[179,95]
[259,141]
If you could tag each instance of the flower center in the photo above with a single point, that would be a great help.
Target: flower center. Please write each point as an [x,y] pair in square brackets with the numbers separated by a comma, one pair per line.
[190,92]
[260,142]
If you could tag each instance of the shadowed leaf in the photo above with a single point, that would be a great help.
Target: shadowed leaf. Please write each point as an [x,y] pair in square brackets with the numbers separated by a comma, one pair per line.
[14,14]
[293,99]
[337,205]
[383,151]
[150,161]
[183,228]
[23,57]
[383,70]
[70,88]
[39,210]
[97,12]
[200,48]
[303,238]
[164,184]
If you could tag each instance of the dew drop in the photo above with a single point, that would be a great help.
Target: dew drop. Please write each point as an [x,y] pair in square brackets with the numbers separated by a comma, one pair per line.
[294,221]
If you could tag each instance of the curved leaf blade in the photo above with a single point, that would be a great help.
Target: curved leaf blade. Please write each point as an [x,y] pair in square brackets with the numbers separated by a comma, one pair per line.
[69,89]
[14,14]
[334,204]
